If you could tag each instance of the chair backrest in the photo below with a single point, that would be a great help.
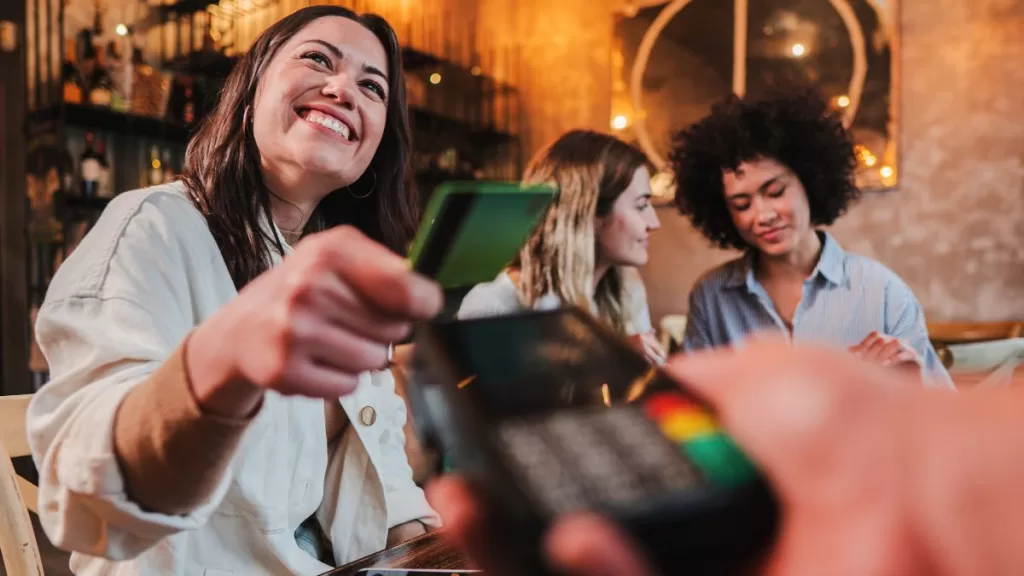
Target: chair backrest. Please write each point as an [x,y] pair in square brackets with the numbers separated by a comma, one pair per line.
[17,496]
[963,332]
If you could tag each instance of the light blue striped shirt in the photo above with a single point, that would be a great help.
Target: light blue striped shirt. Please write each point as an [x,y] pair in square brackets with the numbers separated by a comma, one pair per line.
[844,299]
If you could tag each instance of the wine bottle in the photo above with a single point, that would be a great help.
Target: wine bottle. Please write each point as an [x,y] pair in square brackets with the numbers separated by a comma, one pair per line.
[116,67]
[189,110]
[105,189]
[36,360]
[101,85]
[86,51]
[90,168]
[71,78]
[156,175]
[169,175]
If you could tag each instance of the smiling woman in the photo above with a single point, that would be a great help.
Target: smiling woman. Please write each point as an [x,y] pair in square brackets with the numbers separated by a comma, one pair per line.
[220,402]
[265,150]
[589,243]
[763,175]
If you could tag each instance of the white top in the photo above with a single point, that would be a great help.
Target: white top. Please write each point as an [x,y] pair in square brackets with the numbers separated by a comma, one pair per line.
[144,276]
[501,296]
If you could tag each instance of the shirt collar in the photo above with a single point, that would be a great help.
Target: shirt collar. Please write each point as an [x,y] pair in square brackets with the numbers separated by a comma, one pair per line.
[831,265]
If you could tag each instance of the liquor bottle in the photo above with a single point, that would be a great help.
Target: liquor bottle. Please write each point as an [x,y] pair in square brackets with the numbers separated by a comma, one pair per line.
[101,85]
[117,68]
[90,169]
[71,78]
[169,175]
[156,175]
[189,110]
[37,364]
[86,57]
[67,169]
[105,189]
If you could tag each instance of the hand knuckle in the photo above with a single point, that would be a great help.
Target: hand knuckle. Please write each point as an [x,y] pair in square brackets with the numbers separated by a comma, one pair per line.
[282,327]
[320,255]
[300,290]
[346,234]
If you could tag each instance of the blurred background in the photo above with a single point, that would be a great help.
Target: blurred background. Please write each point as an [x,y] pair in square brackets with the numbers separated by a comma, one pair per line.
[100,96]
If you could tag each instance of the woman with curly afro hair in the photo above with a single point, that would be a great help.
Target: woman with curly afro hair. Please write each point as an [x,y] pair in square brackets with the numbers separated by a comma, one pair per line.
[763,176]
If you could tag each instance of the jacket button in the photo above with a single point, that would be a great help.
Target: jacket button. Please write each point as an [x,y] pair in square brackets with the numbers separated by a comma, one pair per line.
[367,415]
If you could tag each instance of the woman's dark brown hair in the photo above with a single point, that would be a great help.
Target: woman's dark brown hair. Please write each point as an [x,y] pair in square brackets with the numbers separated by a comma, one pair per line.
[591,170]
[222,166]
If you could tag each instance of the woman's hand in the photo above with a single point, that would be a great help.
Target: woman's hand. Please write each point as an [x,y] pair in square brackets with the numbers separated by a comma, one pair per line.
[648,344]
[887,351]
[310,325]
[835,439]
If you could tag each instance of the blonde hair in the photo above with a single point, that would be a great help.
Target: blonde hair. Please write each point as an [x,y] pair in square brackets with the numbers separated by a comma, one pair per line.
[590,170]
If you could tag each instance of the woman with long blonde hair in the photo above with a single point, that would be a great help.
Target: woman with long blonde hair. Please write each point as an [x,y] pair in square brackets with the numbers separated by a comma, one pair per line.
[586,249]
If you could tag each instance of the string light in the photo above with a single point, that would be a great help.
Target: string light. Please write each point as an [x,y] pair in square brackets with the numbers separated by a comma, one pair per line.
[865,156]
[843,101]
[620,122]
[435,78]
[798,50]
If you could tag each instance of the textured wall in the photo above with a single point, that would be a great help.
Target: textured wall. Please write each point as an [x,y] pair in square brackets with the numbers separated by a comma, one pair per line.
[955,228]
[565,75]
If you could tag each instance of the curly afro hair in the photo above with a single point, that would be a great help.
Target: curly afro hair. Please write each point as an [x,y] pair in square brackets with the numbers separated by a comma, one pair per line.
[793,128]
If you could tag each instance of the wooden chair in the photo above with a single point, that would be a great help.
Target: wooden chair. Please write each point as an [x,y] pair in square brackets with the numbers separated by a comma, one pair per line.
[945,334]
[984,364]
[17,496]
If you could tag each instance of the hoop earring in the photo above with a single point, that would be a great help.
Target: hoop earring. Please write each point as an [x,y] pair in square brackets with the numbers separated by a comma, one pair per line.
[374,186]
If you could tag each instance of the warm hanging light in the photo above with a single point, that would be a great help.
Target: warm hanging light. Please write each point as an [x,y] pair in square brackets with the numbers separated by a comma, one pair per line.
[435,78]
[798,50]
[620,122]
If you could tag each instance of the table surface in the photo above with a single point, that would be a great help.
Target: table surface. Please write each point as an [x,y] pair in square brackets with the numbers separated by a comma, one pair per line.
[426,551]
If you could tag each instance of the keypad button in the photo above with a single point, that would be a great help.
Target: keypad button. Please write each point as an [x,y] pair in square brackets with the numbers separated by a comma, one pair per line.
[721,461]
[687,425]
[602,468]
[664,404]
[646,451]
[547,479]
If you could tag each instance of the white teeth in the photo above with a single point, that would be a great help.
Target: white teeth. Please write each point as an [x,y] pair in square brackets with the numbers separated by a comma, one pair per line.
[328,122]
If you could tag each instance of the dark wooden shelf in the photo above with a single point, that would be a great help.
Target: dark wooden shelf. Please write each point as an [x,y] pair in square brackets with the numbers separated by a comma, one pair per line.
[213,65]
[413,60]
[108,120]
[426,120]
[188,6]
[83,203]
